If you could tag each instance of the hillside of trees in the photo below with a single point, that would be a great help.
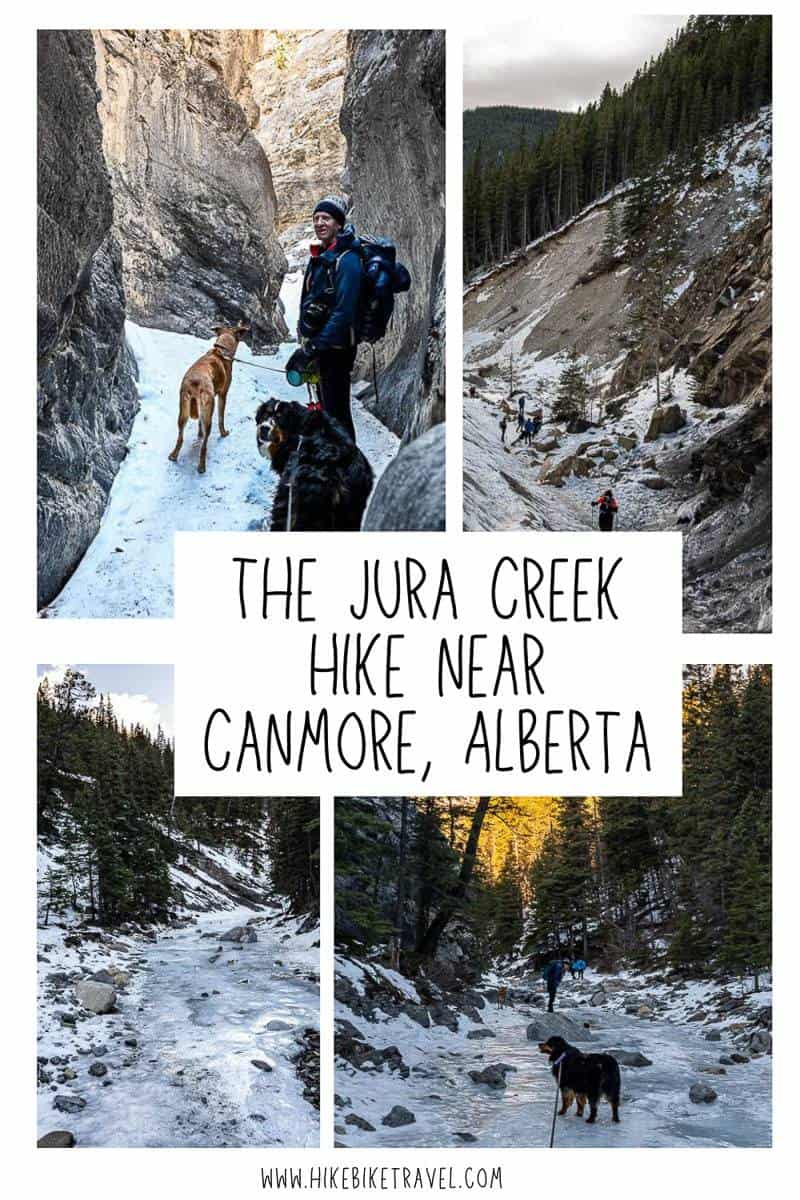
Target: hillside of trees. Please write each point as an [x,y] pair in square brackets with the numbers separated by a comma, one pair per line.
[105,801]
[681,881]
[715,71]
[498,130]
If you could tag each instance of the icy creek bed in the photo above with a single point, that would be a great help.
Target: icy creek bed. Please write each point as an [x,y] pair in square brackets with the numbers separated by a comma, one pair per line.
[655,1112]
[197,1025]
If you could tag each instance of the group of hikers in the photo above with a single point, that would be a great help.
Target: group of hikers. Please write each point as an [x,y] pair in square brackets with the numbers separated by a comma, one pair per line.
[347,298]
[552,974]
[528,427]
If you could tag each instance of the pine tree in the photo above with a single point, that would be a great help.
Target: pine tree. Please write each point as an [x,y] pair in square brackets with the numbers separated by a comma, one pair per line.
[572,391]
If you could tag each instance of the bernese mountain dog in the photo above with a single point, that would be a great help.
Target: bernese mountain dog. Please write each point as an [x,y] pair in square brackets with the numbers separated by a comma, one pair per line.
[325,480]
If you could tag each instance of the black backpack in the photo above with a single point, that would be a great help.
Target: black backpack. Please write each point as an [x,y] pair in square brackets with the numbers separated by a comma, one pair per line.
[382,278]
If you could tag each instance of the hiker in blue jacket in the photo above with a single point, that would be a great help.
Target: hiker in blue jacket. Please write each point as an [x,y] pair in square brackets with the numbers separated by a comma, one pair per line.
[552,977]
[329,310]
[577,968]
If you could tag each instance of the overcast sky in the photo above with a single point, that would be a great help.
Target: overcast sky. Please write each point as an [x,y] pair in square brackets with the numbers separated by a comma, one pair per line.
[140,694]
[559,62]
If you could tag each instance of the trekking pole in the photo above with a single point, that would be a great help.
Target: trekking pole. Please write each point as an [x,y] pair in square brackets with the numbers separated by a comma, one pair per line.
[374,373]
[555,1104]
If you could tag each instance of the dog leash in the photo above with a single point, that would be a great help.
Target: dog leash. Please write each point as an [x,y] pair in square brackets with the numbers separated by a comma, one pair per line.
[243,361]
[291,489]
[557,1063]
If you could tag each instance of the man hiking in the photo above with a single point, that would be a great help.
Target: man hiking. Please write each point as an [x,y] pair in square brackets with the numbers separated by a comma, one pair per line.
[608,506]
[578,967]
[503,427]
[329,310]
[552,977]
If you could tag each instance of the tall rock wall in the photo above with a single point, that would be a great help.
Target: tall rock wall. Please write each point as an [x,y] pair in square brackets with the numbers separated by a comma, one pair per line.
[393,119]
[297,85]
[194,203]
[86,393]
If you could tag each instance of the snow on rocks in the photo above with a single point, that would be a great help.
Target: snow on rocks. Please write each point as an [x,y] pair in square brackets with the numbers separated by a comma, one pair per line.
[96,997]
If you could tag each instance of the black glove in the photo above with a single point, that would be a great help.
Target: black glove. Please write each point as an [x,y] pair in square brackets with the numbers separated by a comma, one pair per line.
[302,361]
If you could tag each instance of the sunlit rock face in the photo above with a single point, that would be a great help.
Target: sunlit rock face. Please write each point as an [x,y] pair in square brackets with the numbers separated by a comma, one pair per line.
[296,85]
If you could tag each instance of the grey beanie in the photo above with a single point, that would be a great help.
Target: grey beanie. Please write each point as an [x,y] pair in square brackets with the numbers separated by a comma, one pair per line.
[335,207]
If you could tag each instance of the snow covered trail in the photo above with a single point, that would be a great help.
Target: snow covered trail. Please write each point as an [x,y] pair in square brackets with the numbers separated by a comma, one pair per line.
[198,1025]
[655,1111]
[127,570]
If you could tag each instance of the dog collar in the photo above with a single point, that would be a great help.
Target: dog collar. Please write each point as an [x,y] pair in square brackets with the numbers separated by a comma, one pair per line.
[559,1061]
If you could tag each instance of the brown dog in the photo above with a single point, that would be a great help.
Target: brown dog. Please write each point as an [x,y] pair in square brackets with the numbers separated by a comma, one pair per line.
[210,376]
[502,997]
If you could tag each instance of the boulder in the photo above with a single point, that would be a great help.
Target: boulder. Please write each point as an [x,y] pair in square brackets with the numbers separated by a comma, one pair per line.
[359,1122]
[494,1075]
[627,441]
[644,1011]
[69,1104]
[398,1116]
[760,1042]
[666,418]
[98,1069]
[475,1034]
[556,1025]
[410,494]
[442,1015]
[241,934]
[276,1026]
[597,998]
[570,464]
[60,1139]
[656,483]
[630,1058]
[96,997]
[701,1093]
[261,1065]
[463,1136]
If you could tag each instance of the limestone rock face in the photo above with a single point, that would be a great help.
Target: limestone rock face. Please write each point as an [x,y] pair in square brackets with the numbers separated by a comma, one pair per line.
[410,493]
[393,119]
[86,391]
[194,203]
[296,86]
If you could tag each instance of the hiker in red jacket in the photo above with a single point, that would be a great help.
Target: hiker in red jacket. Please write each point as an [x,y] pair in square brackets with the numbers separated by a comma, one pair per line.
[608,508]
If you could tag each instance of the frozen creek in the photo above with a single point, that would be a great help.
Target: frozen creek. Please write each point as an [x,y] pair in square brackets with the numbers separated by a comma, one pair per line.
[198,1025]
[655,1111]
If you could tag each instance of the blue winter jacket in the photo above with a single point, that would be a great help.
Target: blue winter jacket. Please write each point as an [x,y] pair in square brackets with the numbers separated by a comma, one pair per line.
[553,972]
[333,279]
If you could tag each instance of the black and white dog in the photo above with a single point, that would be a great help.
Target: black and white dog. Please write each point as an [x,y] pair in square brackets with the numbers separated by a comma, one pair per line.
[325,480]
